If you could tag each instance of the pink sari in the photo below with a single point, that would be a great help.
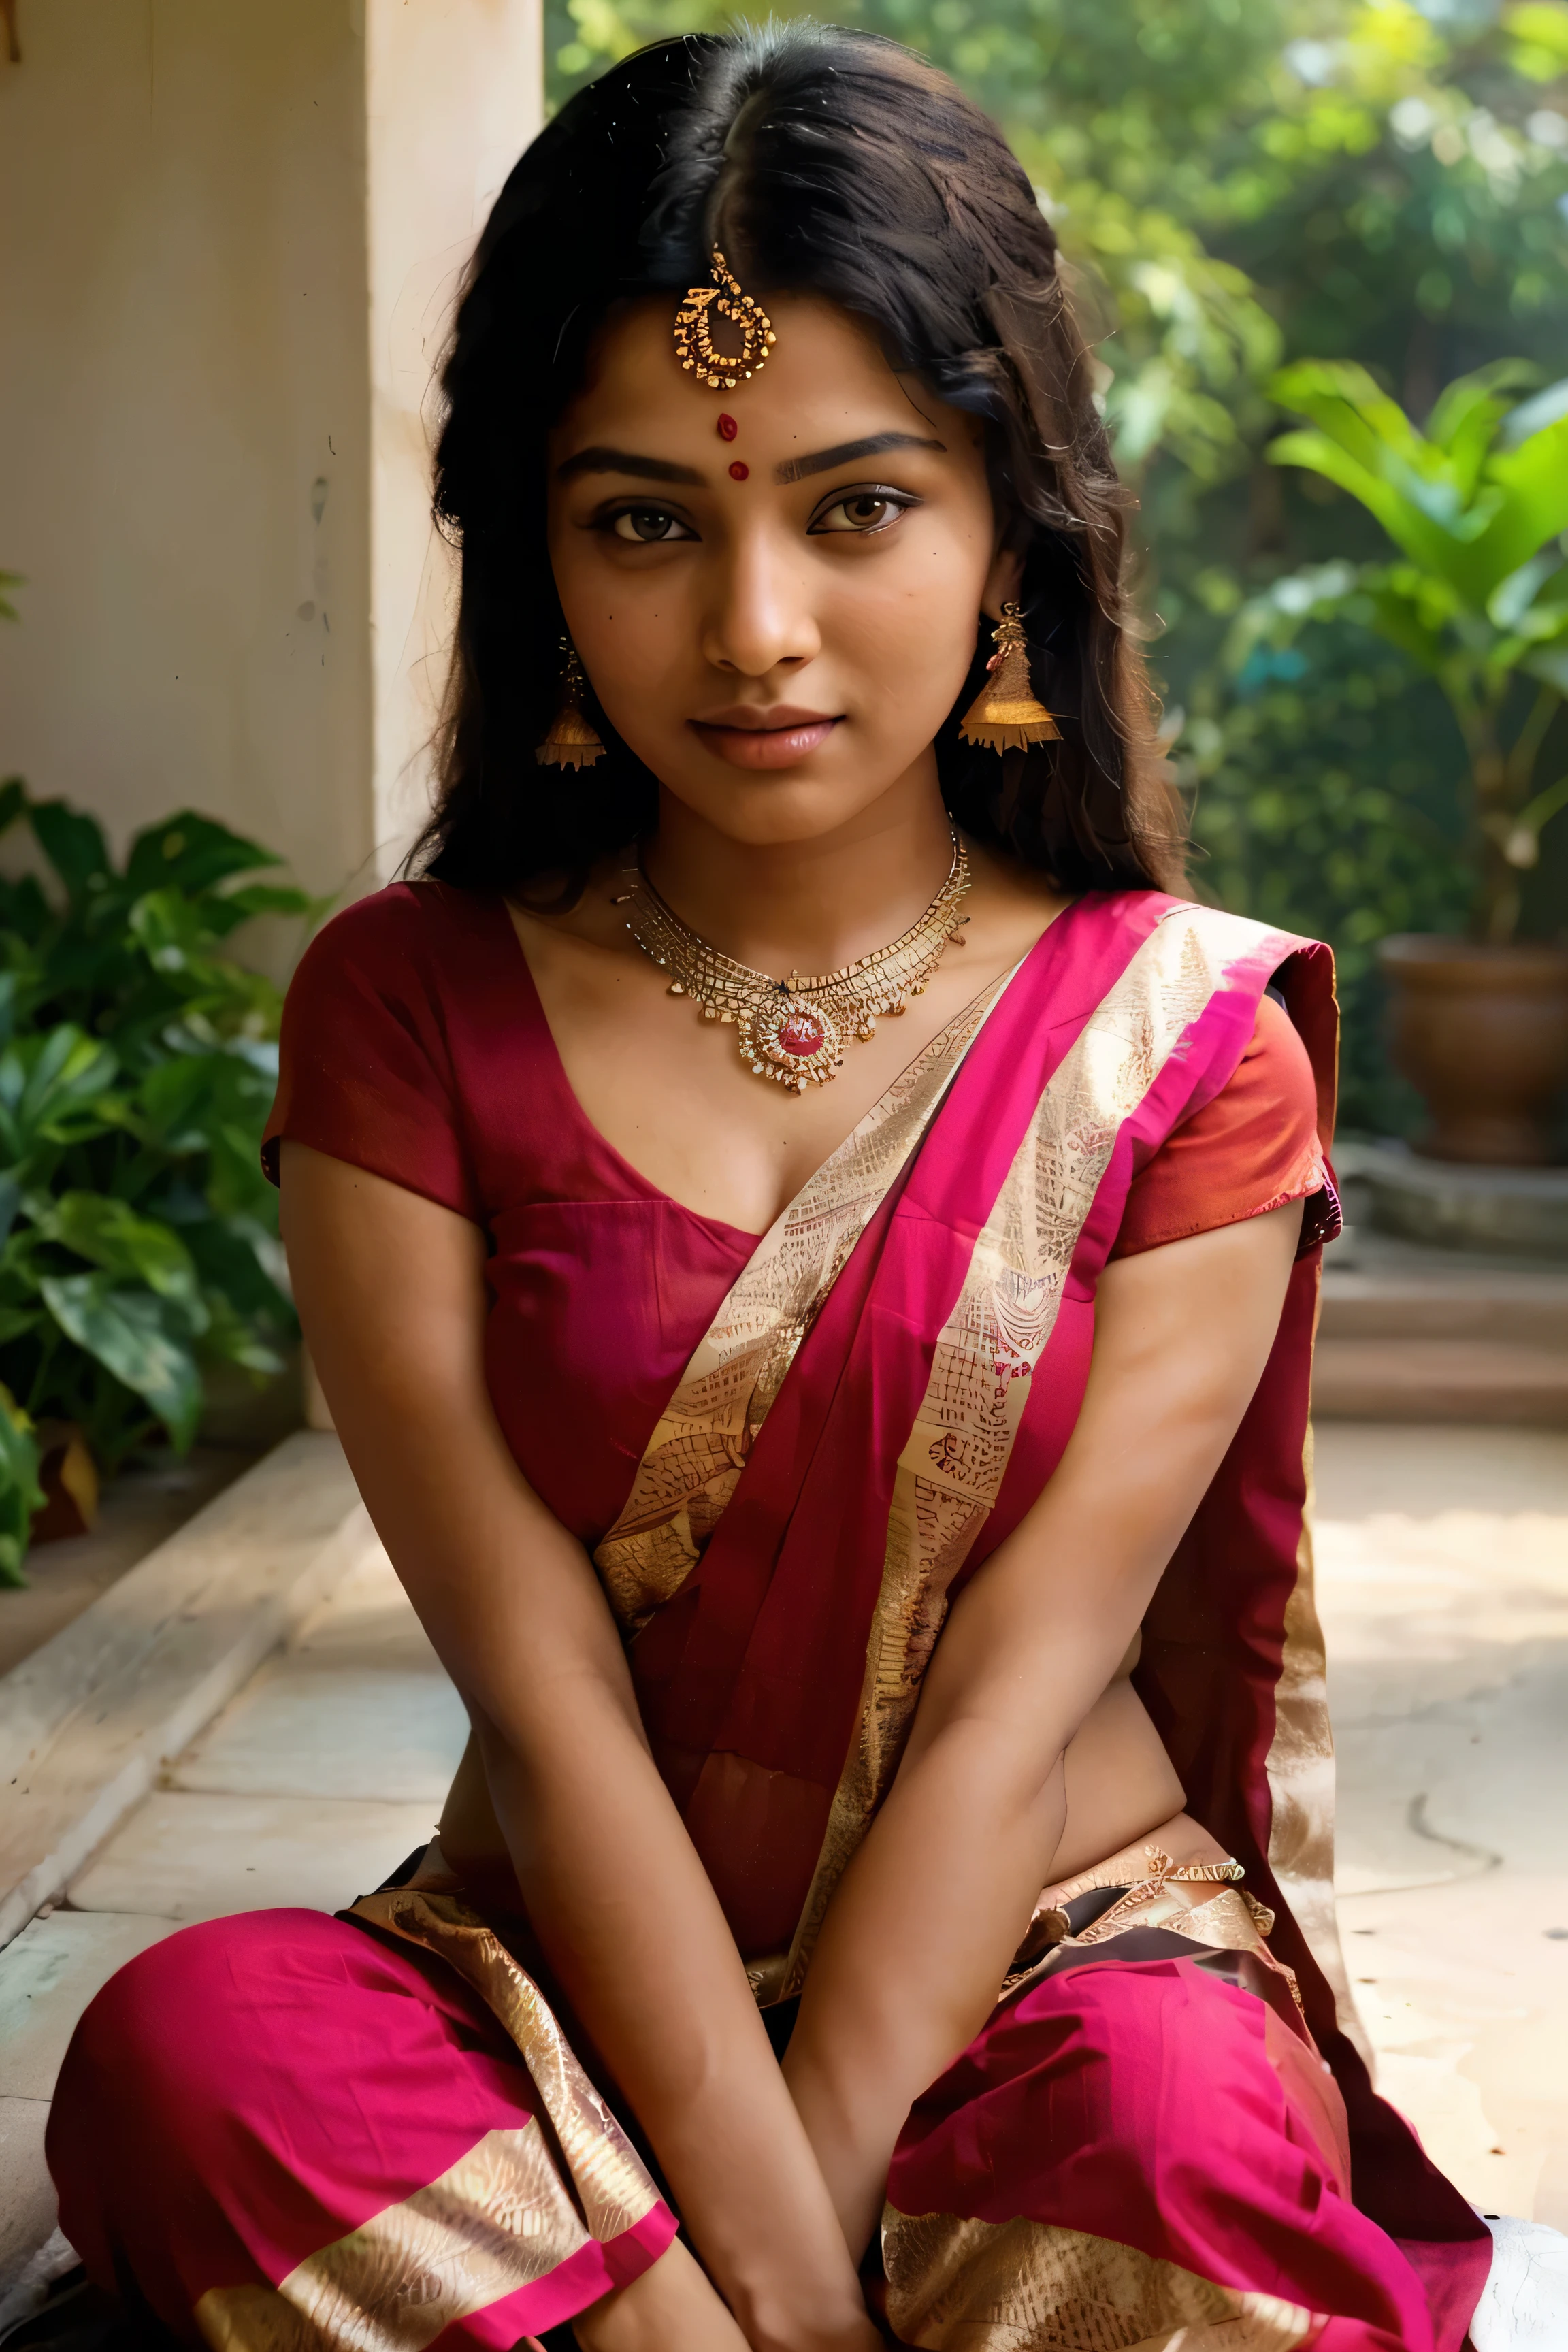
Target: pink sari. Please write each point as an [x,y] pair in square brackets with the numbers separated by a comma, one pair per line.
[1165,2134]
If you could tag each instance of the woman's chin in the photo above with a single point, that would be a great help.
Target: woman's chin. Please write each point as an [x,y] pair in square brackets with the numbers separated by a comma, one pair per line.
[774,808]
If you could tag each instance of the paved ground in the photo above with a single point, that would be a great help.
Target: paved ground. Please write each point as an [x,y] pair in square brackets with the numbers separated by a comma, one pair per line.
[1443,1572]
[140,1506]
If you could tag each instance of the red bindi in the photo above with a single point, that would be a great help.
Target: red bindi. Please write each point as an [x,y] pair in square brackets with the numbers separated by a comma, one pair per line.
[727,428]
[738,472]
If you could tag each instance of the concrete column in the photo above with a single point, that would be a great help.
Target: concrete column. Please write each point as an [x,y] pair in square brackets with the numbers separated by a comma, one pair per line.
[454,92]
[233,236]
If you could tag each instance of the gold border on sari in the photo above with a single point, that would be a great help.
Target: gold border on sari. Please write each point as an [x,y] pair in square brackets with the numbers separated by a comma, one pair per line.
[950,1471]
[956,2284]
[694,1459]
[497,2220]
[604,2173]
[1300,1768]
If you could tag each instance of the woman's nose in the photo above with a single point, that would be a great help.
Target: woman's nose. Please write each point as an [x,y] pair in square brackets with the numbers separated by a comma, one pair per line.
[760,616]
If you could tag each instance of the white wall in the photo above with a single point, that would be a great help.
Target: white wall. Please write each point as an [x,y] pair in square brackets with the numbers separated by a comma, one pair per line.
[231,231]
[455,93]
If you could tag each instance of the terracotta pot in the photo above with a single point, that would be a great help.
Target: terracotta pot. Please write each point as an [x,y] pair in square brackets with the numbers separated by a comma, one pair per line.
[1482,1033]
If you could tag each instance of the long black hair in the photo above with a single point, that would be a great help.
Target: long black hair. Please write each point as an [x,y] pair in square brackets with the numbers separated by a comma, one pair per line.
[826,162]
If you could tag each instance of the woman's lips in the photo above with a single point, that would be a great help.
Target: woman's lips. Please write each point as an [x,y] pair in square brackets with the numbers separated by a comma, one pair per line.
[768,739]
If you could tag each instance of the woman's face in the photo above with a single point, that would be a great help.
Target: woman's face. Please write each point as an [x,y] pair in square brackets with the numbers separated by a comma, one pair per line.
[777,622]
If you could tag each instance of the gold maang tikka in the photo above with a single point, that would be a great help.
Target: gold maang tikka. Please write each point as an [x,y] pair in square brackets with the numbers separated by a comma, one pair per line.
[693,343]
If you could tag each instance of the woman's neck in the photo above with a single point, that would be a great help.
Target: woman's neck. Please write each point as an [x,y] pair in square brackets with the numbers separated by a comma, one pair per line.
[811,905]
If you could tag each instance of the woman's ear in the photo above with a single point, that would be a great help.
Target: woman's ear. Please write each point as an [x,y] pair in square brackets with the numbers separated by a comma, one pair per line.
[1003,581]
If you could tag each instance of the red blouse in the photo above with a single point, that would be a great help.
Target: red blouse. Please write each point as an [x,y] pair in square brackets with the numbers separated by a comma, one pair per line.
[414,1045]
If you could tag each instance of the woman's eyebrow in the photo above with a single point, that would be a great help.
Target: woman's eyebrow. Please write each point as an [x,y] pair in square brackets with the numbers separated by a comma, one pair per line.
[623,461]
[794,469]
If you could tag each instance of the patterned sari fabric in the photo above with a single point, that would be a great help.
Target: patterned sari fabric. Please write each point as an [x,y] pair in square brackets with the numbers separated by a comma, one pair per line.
[372,2131]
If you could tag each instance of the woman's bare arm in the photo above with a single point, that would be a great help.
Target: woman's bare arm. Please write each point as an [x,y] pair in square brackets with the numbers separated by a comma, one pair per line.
[935,1904]
[391,1296]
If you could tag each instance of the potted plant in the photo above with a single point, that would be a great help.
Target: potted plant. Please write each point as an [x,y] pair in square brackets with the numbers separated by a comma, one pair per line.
[1477,597]
[138,1237]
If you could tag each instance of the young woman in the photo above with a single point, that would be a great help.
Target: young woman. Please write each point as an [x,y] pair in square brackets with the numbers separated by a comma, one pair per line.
[812,1250]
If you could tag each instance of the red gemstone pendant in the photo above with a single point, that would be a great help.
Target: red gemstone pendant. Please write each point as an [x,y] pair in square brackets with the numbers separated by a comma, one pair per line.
[792,1040]
[801,1033]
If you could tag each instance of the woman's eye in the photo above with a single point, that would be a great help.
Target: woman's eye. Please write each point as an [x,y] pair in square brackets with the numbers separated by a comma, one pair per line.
[862,510]
[649,526]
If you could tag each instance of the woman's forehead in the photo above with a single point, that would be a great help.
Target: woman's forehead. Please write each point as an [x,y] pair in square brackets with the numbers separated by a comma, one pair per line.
[827,381]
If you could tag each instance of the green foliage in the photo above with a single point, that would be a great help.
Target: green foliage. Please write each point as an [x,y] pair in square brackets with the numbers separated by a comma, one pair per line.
[1469,506]
[20,1494]
[1478,504]
[1309,789]
[138,1237]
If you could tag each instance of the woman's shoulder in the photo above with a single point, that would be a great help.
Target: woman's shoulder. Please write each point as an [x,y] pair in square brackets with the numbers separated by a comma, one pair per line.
[405,928]
[369,1065]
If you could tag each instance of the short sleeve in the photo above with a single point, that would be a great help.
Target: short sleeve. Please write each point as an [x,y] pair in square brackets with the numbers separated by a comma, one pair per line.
[1254,1148]
[364,1072]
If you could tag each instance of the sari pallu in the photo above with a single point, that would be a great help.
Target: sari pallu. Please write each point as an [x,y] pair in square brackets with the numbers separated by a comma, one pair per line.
[1137,2151]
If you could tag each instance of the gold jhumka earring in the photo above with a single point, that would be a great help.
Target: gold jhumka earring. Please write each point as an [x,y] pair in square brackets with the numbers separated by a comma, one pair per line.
[693,343]
[573,741]
[1004,715]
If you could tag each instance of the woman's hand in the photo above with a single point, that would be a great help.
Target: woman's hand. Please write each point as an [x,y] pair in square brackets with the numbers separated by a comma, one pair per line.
[931,1911]
[391,1294]
[672,2308]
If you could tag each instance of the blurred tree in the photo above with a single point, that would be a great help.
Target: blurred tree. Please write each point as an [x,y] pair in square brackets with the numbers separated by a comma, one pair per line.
[1236,182]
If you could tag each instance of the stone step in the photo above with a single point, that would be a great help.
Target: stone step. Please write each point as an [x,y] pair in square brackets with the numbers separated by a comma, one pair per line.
[1421,1379]
[89,1721]
[1376,1302]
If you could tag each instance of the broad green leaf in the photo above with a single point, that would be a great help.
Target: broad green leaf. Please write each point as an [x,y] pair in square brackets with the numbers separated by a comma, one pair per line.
[46,1078]
[1531,415]
[72,843]
[1408,526]
[1511,600]
[176,1098]
[1534,477]
[1472,522]
[1465,421]
[138,1337]
[228,1257]
[171,929]
[190,853]
[112,1234]
[1345,403]
[266,899]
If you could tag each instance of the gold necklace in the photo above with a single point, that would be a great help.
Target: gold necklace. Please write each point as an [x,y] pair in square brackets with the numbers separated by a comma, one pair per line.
[794,1031]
